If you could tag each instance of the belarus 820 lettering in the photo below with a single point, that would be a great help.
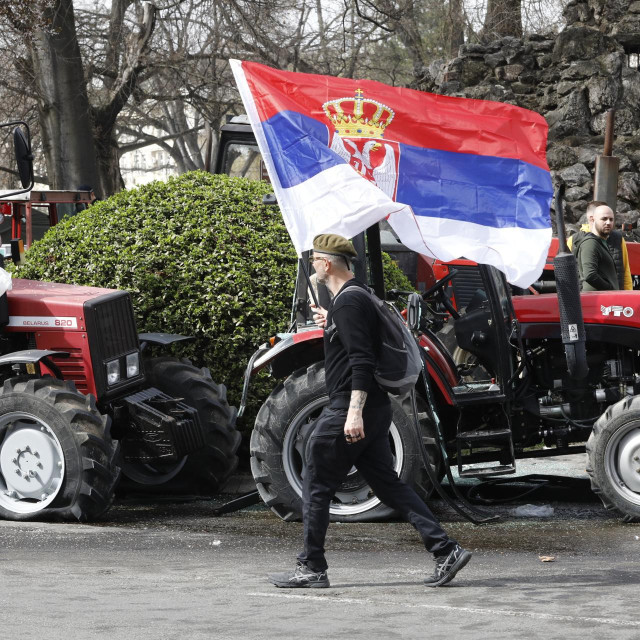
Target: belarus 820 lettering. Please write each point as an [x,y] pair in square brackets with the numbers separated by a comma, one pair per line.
[83,401]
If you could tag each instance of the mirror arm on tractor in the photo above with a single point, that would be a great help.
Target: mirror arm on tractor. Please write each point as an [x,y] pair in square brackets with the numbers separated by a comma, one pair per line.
[24,157]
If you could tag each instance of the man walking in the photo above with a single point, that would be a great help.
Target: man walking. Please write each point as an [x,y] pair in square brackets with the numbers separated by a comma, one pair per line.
[596,264]
[354,428]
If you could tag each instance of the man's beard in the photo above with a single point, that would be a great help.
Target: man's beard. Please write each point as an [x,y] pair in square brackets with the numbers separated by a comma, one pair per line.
[321,279]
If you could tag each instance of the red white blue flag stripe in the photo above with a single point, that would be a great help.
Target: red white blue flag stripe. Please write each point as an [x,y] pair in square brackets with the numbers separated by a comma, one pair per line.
[454,177]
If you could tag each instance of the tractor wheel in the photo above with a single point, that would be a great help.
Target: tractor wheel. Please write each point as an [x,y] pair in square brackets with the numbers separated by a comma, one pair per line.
[423,484]
[203,472]
[57,458]
[279,439]
[613,456]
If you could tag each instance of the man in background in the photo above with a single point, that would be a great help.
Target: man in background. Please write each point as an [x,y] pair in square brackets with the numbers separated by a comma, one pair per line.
[601,252]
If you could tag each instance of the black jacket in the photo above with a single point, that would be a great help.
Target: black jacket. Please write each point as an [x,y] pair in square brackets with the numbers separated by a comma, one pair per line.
[351,347]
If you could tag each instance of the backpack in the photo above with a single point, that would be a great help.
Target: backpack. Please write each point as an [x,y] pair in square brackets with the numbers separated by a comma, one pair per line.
[399,362]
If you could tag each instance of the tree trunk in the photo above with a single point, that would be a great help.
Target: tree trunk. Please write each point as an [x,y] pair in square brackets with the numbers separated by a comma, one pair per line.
[504,18]
[455,27]
[63,105]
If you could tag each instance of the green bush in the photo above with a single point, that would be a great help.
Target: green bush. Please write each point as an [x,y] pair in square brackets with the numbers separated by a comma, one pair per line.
[200,255]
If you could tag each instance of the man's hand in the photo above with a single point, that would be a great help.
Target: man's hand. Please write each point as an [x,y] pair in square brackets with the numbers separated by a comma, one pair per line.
[319,315]
[354,426]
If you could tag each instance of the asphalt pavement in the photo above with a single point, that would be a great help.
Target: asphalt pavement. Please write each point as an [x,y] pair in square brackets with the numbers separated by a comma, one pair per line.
[166,569]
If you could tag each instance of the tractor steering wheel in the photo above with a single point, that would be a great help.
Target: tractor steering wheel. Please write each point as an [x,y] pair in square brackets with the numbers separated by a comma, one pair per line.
[437,291]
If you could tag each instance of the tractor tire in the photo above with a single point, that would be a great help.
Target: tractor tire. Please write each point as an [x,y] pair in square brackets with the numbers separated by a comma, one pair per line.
[57,458]
[613,458]
[279,439]
[203,472]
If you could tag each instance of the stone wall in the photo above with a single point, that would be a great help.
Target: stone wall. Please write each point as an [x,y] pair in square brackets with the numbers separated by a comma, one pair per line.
[572,78]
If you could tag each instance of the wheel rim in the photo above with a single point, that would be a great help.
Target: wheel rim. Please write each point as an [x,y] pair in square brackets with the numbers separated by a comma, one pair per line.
[31,463]
[354,496]
[622,462]
[152,474]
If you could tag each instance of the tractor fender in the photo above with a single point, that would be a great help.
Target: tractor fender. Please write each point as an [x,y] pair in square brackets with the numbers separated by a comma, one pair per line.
[34,356]
[440,367]
[288,353]
[160,339]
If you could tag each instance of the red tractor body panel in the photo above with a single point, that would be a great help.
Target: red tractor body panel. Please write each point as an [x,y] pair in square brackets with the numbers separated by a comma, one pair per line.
[54,314]
[619,308]
[29,298]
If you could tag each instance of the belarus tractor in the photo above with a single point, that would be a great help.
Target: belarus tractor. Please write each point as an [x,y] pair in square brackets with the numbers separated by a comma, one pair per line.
[83,400]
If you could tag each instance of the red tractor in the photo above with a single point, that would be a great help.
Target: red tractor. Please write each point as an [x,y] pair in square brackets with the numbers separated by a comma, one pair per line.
[516,388]
[83,400]
[550,386]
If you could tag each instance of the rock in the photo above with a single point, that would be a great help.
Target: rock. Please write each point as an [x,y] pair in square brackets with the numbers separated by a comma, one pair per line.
[622,208]
[582,43]
[564,88]
[512,71]
[574,194]
[575,175]
[472,71]
[572,116]
[519,87]
[587,155]
[492,60]
[625,162]
[478,49]
[559,155]
[603,93]
[628,187]
[580,70]
[574,211]
[544,60]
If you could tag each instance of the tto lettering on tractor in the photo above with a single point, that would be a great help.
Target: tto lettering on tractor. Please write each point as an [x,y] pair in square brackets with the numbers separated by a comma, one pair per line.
[84,400]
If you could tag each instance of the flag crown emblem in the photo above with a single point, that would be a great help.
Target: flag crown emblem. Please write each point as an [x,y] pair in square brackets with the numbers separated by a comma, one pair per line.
[358,117]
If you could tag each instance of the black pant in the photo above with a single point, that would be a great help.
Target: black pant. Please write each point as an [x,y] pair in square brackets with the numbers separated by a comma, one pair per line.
[329,460]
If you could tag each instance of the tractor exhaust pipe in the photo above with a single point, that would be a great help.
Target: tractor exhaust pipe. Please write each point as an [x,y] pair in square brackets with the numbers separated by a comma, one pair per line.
[568,286]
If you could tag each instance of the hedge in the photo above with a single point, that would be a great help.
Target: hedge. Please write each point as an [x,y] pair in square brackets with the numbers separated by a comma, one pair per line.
[201,256]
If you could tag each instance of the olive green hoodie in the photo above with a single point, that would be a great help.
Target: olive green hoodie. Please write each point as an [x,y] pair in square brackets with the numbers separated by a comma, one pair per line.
[595,263]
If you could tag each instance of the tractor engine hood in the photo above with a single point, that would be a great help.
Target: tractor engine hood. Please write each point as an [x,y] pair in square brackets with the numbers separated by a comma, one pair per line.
[43,305]
[620,308]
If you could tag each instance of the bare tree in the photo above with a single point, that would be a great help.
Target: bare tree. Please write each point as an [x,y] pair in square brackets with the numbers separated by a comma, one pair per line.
[77,105]
[503,18]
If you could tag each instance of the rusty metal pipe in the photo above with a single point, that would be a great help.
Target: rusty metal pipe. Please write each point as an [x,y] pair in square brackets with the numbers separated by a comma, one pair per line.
[608,133]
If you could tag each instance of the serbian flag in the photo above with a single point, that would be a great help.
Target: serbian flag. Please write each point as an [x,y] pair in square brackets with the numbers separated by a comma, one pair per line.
[454,177]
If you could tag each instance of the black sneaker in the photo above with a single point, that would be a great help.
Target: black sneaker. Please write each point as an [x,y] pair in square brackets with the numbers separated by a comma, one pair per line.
[448,566]
[301,578]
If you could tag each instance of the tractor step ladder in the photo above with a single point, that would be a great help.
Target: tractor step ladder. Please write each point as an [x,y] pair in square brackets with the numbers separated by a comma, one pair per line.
[497,446]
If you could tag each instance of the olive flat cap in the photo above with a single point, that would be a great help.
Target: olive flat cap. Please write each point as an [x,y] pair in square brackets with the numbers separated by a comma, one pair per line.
[334,244]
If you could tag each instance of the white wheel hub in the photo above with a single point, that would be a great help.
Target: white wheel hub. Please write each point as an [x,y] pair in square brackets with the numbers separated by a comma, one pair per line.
[31,464]
[629,460]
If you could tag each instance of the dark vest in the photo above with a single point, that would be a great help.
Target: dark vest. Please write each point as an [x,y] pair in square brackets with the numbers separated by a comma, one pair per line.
[615,244]
[614,241]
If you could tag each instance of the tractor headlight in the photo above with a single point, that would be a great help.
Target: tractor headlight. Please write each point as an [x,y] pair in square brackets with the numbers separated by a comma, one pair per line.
[133,365]
[113,372]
